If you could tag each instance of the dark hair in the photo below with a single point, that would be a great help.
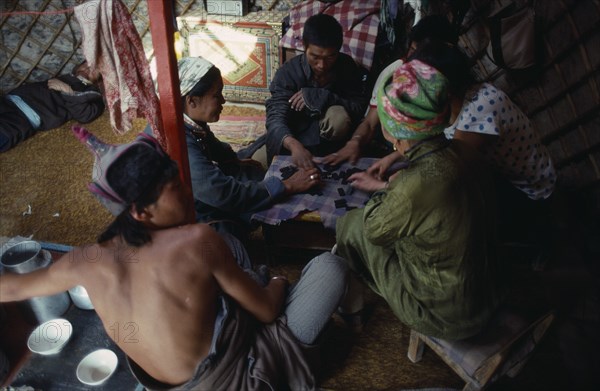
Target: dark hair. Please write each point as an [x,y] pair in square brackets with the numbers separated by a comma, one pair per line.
[433,28]
[322,30]
[449,60]
[92,75]
[205,82]
[138,176]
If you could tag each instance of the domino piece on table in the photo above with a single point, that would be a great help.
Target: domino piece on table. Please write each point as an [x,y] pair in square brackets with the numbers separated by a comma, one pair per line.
[340,203]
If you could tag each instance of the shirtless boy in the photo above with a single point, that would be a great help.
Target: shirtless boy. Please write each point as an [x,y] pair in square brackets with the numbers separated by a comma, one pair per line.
[201,318]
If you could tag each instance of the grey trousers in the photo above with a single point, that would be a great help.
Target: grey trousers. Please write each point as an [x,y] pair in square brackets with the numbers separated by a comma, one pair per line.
[312,300]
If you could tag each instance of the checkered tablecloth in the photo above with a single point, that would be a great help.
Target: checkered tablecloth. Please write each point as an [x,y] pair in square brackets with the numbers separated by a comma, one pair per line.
[359,20]
[322,200]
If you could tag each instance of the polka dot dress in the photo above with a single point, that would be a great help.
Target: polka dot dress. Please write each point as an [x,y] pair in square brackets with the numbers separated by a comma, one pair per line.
[518,153]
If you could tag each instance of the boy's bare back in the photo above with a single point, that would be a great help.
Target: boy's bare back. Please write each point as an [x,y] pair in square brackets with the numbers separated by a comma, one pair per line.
[158,300]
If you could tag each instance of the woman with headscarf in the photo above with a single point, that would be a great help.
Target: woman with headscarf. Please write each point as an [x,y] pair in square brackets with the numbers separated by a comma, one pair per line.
[486,118]
[227,190]
[425,240]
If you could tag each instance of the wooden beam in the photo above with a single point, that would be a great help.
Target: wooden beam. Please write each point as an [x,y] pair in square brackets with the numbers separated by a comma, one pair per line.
[161,28]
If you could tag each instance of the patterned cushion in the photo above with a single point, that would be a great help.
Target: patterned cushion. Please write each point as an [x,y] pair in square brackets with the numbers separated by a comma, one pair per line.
[471,352]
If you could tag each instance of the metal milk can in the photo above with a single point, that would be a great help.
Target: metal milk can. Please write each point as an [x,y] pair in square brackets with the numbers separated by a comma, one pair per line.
[25,257]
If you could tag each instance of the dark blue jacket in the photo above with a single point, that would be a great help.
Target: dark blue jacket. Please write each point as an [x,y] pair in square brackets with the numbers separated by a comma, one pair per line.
[346,89]
[225,188]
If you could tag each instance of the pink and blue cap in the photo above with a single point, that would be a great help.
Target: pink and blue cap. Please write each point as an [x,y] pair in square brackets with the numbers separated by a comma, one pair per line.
[105,156]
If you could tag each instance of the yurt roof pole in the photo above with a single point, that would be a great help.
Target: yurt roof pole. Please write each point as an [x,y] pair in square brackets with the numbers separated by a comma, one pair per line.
[161,28]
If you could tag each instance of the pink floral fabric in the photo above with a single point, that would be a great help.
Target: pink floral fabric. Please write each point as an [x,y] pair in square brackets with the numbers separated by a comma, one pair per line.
[112,45]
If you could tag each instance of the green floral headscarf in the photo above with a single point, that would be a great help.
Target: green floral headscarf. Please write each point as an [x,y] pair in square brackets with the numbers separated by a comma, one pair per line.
[413,102]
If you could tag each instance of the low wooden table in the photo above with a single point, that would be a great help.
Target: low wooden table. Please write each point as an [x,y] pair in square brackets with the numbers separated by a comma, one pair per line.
[303,232]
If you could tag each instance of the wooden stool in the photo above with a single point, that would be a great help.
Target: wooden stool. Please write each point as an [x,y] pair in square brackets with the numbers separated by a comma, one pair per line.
[502,348]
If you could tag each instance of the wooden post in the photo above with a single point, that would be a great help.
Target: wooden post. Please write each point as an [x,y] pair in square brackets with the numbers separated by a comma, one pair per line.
[162,30]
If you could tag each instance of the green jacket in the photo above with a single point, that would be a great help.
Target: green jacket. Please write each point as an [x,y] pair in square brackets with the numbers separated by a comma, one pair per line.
[427,243]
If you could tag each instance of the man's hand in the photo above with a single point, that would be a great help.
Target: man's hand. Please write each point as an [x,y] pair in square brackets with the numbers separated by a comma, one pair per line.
[297,101]
[366,182]
[350,152]
[60,86]
[362,136]
[302,180]
[300,155]
[302,158]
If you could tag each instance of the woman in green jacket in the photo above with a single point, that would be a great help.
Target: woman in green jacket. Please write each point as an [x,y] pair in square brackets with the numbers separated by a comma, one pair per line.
[425,241]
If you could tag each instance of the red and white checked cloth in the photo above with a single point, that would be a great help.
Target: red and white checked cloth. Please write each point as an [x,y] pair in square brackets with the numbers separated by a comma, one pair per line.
[359,20]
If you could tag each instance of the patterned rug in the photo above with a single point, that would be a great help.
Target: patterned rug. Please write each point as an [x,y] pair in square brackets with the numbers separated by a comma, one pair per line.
[239,131]
[246,49]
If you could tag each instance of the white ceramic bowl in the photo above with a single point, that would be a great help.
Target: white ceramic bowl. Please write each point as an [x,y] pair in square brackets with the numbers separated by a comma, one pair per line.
[97,367]
[80,298]
[50,337]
